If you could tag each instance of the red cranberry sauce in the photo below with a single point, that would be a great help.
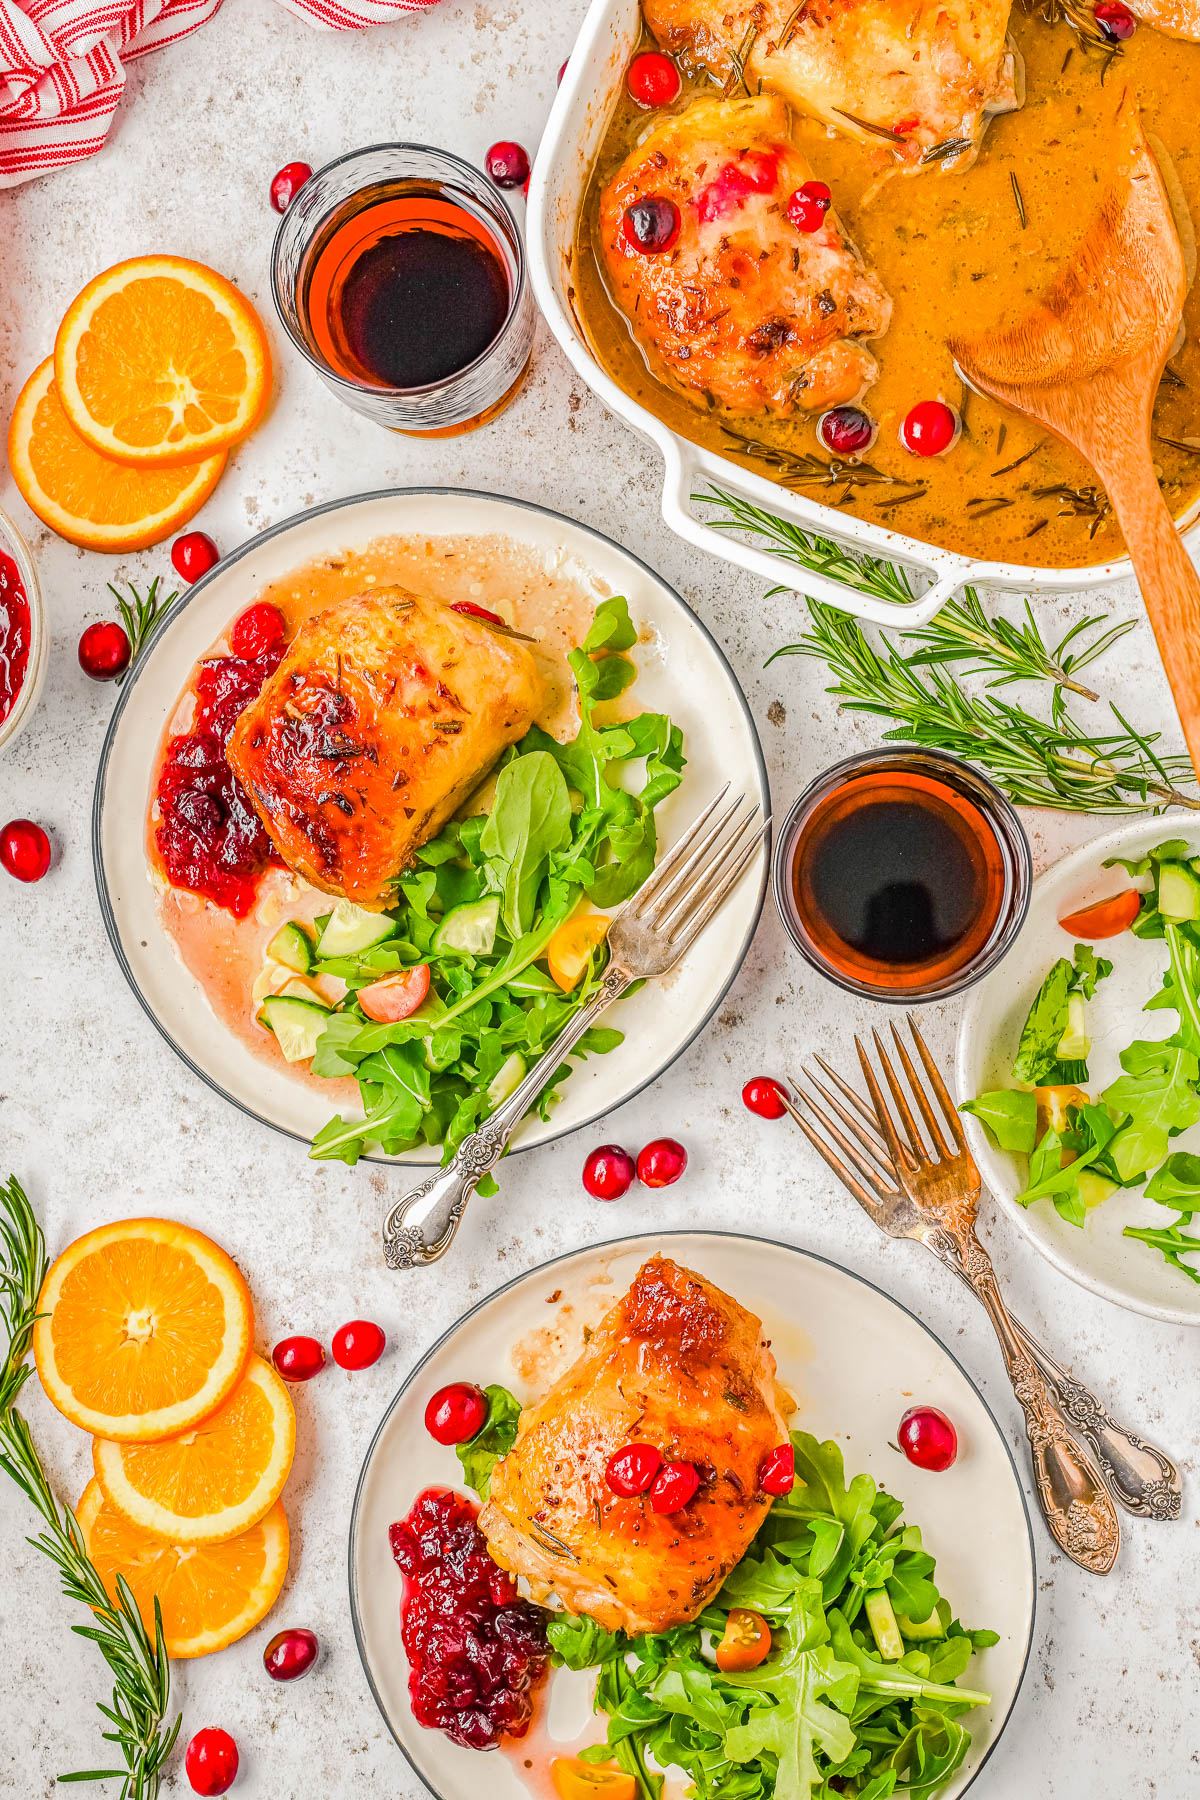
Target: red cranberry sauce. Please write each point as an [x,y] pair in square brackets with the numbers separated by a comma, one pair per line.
[15,628]
[209,836]
[476,1651]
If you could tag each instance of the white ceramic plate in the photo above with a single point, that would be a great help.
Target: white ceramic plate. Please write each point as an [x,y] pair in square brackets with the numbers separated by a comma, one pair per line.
[1097,1257]
[855,1360]
[683,672]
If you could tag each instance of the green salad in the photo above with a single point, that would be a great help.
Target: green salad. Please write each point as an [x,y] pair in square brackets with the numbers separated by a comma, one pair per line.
[858,1698]
[1082,1150]
[462,954]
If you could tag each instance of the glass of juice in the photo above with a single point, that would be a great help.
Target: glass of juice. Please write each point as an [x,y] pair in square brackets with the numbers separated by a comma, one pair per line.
[398,271]
[903,875]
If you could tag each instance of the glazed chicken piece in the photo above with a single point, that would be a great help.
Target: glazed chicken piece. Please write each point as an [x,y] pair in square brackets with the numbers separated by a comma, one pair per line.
[1178,18]
[386,712]
[925,71]
[743,307]
[676,1364]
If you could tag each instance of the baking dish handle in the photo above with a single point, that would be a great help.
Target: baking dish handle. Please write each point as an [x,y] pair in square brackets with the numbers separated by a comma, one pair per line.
[685,463]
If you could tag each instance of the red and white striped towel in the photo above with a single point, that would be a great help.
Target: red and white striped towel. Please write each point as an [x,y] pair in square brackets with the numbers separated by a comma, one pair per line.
[62,65]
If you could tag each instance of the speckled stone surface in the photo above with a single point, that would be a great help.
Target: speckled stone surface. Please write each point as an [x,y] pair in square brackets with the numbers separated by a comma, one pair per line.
[101,1122]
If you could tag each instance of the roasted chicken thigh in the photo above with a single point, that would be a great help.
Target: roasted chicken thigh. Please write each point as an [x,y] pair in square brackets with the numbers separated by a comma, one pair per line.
[387,710]
[925,71]
[743,308]
[676,1364]
[1178,18]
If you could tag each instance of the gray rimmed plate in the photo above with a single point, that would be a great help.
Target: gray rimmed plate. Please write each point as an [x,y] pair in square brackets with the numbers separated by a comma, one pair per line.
[854,1358]
[682,670]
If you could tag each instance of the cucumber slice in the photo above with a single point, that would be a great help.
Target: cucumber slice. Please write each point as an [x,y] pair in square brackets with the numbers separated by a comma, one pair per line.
[919,1629]
[1074,1043]
[469,930]
[884,1629]
[292,947]
[352,929]
[1094,1188]
[297,1025]
[303,990]
[1178,893]
[507,1079]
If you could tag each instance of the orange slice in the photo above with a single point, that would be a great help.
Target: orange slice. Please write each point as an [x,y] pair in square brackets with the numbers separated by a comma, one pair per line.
[89,499]
[209,1594]
[214,1481]
[161,361]
[146,1329]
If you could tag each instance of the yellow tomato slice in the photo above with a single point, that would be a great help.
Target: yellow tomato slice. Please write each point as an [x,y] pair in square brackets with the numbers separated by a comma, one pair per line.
[746,1643]
[571,947]
[577,1780]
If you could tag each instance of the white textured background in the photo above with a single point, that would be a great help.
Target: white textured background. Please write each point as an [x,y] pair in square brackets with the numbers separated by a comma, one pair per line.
[100,1121]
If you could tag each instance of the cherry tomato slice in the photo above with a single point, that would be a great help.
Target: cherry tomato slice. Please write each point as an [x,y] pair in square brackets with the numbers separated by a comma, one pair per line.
[1107,918]
[576,1780]
[396,997]
[570,949]
[746,1643]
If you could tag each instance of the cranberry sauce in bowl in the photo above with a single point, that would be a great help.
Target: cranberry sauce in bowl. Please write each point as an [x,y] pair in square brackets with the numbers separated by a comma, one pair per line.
[22,658]
[476,1651]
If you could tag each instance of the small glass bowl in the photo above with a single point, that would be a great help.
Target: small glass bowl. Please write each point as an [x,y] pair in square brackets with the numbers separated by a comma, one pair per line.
[14,545]
[1012,862]
[471,396]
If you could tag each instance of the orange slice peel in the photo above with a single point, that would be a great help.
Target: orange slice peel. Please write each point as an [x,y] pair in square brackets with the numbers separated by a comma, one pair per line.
[146,1329]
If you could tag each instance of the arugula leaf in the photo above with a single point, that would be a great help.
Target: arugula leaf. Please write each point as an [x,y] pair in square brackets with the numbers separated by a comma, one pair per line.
[529,820]
[1158,1096]
[492,1442]
[1177,1185]
[1090,970]
[1037,1051]
[1010,1114]
[579,1643]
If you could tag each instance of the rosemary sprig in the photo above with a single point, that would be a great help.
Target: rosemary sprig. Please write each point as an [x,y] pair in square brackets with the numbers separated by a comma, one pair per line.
[1055,763]
[804,468]
[139,615]
[1080,18]
[141,1672]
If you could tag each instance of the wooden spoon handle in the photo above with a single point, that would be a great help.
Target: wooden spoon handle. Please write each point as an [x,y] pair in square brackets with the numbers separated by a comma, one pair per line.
[1169,582]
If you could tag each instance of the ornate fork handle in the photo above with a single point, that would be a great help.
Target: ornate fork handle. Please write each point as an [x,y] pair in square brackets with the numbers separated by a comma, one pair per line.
[421,1226]
[1077,1506]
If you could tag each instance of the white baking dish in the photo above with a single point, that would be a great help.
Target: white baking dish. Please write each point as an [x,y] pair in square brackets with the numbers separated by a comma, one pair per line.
[569,147]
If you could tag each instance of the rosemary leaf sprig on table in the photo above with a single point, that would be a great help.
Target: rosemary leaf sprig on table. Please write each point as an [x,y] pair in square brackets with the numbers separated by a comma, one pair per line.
[1056,763]
[138,614]
[142,1692]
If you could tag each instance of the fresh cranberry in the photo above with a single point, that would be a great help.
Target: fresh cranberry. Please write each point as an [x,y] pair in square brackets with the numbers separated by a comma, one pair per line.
[257,631]
[193,555]
[105,650]
[661,1162]
[24,850]
[630,1471]
[927,1438]
[286,184]
[765,1096]
[291,1654]
[608,1172]
[653,79]
[298,1358]
[808,205]
[508,164]
[211,1762]
[778,1472]
[845,430]
[674,1485]
[652,225]
[358,1344]
[929,428]
[456,1413]
[1115,21]
[471,611]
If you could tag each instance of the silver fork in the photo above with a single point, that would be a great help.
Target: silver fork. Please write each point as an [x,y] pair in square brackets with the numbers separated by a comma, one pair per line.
[931,1194]
[653,931]
[1141,1477]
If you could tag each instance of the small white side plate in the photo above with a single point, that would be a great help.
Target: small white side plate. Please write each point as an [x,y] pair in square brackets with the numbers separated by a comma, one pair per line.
[1097,1257]
[687,677]
[855,1360]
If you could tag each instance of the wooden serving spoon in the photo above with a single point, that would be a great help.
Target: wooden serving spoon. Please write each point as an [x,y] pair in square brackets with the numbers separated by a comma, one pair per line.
[1086,362]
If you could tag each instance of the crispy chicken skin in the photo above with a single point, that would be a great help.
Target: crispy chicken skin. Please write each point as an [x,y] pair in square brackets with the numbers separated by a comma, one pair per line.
[676,1364]
[743,307]
[924,70]
[387,710]
[1178,18]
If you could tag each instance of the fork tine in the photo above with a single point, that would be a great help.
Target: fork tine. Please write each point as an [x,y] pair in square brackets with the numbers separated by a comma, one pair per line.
[882,1116]
[939,1087]
[876,1178]
[708,898]
[851,1093]
[865,1200]
[682,871]
[901,1099]
[670,860]
[917,1088]
[866,1134]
